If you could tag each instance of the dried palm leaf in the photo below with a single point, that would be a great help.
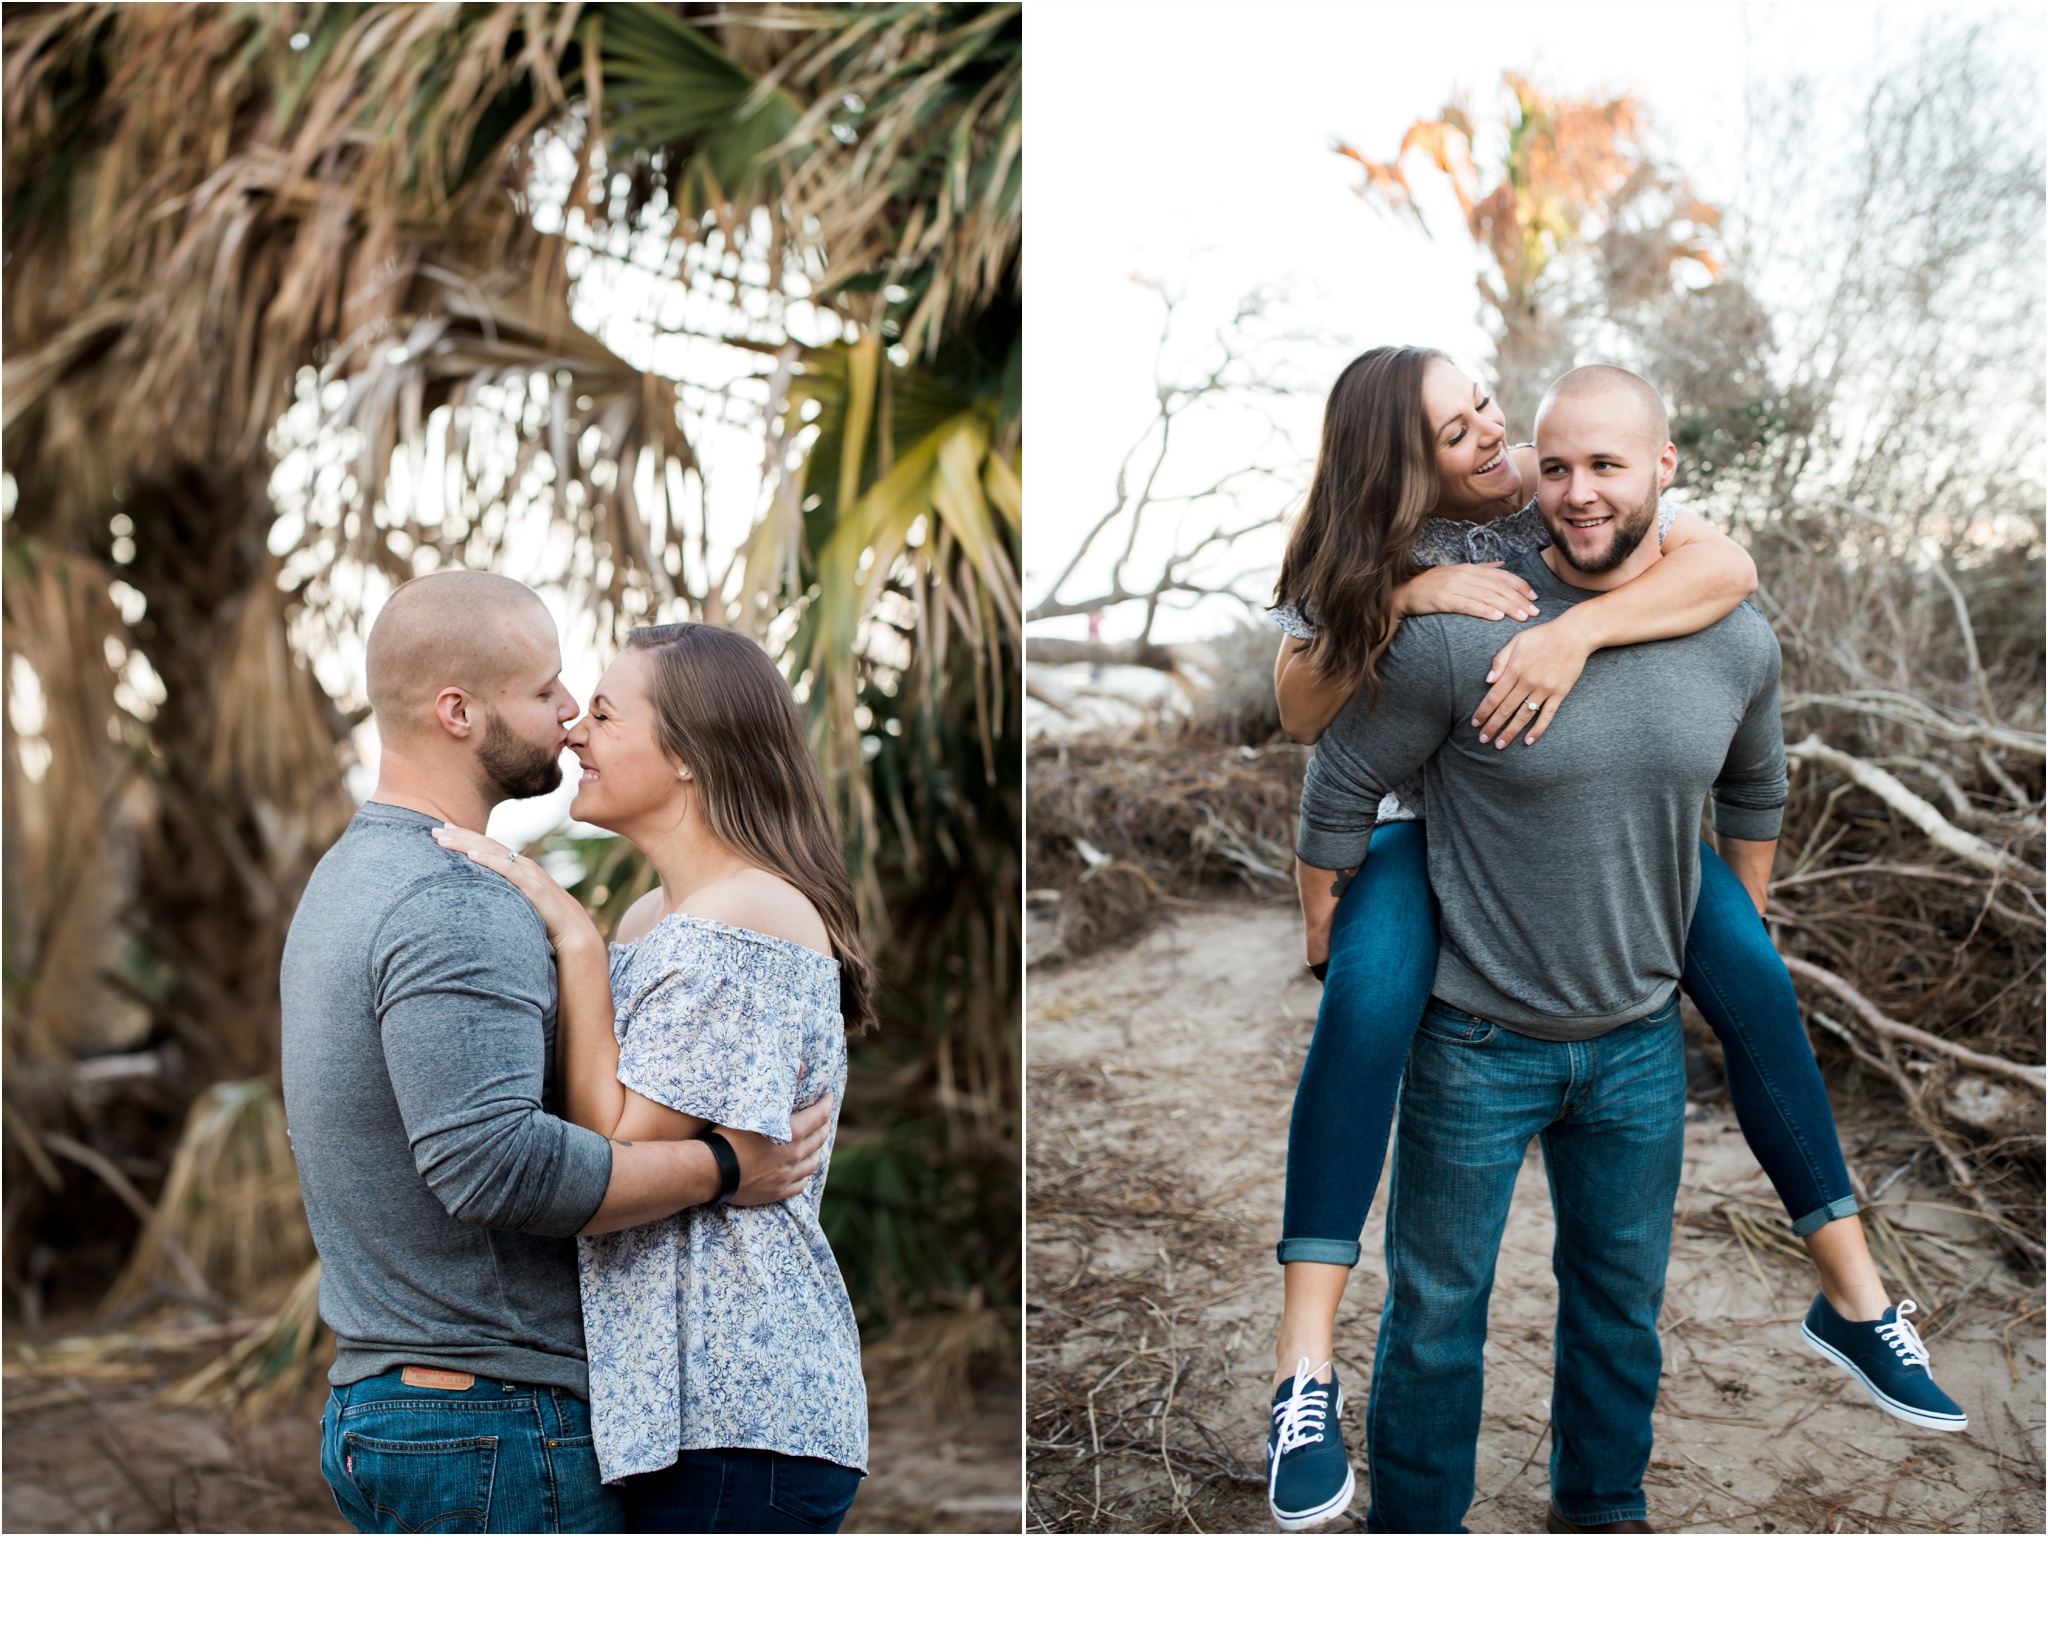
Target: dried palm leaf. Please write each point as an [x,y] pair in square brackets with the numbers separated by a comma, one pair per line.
[272,1364]
[231,1200]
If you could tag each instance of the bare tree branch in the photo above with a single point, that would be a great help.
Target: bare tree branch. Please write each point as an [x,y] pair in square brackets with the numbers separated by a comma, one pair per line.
[1955,595]
[1891,1028]
[1237,372]
[1909,711]
[1910,807]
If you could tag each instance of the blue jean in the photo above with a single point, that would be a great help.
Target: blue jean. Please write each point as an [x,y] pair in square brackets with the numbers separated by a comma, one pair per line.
[1745,993]
[1610,1113]
[499,1458]
[1382,963]
[740,1491]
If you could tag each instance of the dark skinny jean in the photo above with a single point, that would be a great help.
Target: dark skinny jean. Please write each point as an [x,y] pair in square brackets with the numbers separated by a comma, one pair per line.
[740,1491]
[1382,963]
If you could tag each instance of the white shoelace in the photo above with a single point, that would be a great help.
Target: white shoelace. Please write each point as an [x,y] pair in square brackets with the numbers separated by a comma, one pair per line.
[1904,1338]
[1298,1421]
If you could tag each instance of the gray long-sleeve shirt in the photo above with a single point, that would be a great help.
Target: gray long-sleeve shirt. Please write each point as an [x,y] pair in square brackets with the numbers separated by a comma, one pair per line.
[1566,871]
[444,1195]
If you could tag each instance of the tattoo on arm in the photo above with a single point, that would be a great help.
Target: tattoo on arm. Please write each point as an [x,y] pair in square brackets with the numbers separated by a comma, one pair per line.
[1342,883]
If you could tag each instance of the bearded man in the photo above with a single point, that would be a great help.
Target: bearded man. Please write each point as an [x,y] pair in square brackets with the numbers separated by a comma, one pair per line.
[1565,875]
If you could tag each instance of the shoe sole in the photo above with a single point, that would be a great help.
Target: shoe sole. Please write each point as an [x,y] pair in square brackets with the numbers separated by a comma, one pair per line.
[1294,1522]
[1890,1405]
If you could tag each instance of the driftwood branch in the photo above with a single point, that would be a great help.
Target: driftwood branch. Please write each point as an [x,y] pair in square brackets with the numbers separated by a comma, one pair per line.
[1908,711]
[1890,1028]
[2028,914]
[1955,596]
[1912,871]
[1910,807]
[1914,1095]
[2023,806]
[1962,607]
[1059,650]
[1959,802]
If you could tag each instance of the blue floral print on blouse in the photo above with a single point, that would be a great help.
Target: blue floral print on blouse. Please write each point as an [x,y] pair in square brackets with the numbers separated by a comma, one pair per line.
[724,1327]
[1445,543]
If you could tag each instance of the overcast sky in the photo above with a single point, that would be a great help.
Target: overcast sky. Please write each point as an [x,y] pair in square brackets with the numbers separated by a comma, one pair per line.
[1190,143]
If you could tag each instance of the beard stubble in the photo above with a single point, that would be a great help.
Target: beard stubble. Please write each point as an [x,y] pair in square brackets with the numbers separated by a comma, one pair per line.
[516,769]
[1628,534]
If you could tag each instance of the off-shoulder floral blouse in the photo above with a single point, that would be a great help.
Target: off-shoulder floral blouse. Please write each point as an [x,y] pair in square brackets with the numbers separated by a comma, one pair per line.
[1445,543]
[724,1327]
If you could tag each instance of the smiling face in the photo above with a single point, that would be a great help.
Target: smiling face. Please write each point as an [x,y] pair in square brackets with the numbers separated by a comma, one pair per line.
[628,780]
[1468,432]
[1601,469]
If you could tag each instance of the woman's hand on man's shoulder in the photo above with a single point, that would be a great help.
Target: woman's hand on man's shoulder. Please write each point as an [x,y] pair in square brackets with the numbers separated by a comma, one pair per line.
[757,901]
[566,920]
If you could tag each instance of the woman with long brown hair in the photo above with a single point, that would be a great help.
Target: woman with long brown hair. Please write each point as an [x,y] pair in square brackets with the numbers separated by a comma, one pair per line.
[1416,505]
[725,1379]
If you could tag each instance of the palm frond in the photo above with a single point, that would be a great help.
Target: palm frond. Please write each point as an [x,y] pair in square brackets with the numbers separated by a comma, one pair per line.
[662,84]
[886,140]
[58,623]
[914,170]
[596,420]
[897,488]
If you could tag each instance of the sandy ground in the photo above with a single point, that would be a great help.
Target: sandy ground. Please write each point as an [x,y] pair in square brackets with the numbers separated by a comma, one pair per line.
[88,1450]
[1161,1081]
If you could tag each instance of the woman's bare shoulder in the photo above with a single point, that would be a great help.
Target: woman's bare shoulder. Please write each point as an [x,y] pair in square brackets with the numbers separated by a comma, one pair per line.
[756,901]
[1525,462]
[640,919]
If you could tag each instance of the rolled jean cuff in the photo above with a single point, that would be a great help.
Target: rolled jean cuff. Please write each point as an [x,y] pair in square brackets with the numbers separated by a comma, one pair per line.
[1333,1252]
[1814,1220]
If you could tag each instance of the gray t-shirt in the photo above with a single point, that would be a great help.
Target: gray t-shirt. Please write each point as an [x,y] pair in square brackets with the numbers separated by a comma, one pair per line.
[1444,542]
[443,1192]
[1565,871]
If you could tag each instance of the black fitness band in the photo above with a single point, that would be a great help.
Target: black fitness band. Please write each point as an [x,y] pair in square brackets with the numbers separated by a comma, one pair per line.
[1320,971]
[728,1164]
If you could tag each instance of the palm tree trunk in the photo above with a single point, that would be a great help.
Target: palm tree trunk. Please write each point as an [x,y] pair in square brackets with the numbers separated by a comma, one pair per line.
[219,874]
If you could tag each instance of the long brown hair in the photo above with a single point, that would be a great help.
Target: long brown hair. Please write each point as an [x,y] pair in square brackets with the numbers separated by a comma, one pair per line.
[723,710]
[1375,485]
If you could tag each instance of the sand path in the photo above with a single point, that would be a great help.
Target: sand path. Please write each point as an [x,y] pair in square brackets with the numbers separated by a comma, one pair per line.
[1160,1085]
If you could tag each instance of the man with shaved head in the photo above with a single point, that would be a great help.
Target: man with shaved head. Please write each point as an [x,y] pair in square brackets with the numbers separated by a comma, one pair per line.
[1625,410]
[444,1193]
[462,636]
[1565,876]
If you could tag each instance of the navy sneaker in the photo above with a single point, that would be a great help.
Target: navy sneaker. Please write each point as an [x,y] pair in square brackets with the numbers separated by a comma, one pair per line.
[1889,1361]
[1308,1474]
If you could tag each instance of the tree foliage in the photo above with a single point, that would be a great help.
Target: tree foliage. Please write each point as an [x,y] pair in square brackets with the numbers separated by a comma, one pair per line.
[223,221]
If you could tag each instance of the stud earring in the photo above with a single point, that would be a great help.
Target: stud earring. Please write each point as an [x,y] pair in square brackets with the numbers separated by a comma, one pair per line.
[683,772]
